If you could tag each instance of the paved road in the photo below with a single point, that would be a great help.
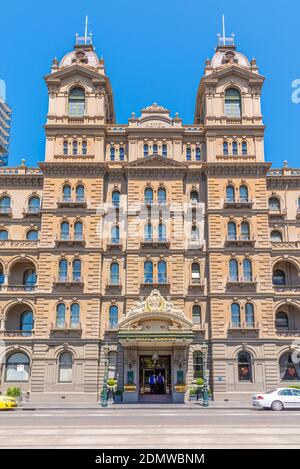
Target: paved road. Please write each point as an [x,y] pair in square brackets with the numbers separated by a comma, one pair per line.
[150,428]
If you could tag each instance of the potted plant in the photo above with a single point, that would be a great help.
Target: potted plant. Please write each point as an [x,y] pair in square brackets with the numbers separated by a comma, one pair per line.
[14,392]
[180,387]
[193,394]
[118,396]
[130,387]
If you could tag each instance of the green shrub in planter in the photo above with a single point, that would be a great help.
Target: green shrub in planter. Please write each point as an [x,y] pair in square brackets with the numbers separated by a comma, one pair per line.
[199,381]
[118,392]
[193,392]
[111,382]
[13,392]
[118,395]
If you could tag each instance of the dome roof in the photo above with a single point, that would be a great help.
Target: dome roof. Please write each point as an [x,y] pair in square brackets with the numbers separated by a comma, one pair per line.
[230,56]
[87,57]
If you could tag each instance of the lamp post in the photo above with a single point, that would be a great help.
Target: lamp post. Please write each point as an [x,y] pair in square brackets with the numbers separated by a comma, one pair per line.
[205,387]
[104,402]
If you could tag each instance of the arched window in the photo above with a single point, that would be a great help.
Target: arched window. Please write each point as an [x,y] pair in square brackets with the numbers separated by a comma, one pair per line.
[112,153]
[146,150]
[116,199]
[1,275]
[244,148]
[76,102]
[162,271]
[113,316]
[162,232]
[84,147]
[5,204]
[195,272]
[161,195]
[63,270]
[188,153]
[65,366]
[249,314]
[194,196]
[298,205]
[234,148]
[66,191]
[75,315]
[122,153]
[232,103]
[231,231]
[148,272]
[198,154]
[274,204]
[115,234]
[225,148]
[80,193]
[34,204]
[230,194]
[75,147]
[65,147]
[247,270]
[195,236]
[76,270]
[198,364]
[32,235]
[164,150]
[114,273]
[12,362]
[29,279]
[60,315]
[233,270]
[26,323]
[65,231]
[196,314]
[148,196]
[3,235]
[244,366]
[235,315]
[78,231]
[289,369]
[282,320]
[278,277]
[245,230]
[243,191]
[276,236]
[155,149]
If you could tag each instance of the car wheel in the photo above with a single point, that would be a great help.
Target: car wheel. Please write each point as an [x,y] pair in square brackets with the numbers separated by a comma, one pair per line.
[277,405]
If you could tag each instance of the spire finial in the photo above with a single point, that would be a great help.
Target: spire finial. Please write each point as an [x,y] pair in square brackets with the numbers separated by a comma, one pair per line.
[85,40]
[224,41]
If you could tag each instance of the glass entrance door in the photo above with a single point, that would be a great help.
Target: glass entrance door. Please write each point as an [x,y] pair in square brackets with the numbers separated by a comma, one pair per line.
[155,376]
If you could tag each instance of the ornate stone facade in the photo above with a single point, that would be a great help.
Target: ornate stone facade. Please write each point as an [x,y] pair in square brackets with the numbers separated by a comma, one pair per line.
[150,241]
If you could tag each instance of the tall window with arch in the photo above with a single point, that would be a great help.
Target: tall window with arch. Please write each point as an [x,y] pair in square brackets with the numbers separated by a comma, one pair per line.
[162,195]
[78,231]
[148,272]
[32,235]
[26,323]
[195,234]
[65,231]
[34,203]
[76,270]
[116,198]
[162,271]
[243,193]
[233,270]
[65,367]
[146,150]
[247,270]
[29,279]
[63,270]
[115,234]
[274,204]
[235,315]
[278,277]
[164,149]
[2,278]
[195,272]
[122,153]
[84,147]
[230,194]
[244,148]
[225,148]
[281,320]
[244,360]
[232,106]
[113,316]
[289,368]
[198,364]
[276,236]
[148,232]
[249,314]
[234,148]
[114,273]
[5,204]
[162,232]
[80,193]
[245,231]
[112,153]
[66,192]
[148,195]
[74,315]
[231,231]
[75,147]
[65,147]
[11,365]
[155,149]
[198,154]
[188,154]
[3,235]
[60,315]
[76,102]
[196,314]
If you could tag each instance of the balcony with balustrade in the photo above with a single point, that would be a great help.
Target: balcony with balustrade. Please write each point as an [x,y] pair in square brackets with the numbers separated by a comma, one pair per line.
[239,202]
[72,202]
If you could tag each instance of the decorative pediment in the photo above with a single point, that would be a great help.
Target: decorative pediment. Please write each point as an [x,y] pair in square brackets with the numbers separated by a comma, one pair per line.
[156,161]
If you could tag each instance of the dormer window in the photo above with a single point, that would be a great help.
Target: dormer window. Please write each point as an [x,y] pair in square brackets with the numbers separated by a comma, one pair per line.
[232,103]
[155,149]
[164,150]
[76,102]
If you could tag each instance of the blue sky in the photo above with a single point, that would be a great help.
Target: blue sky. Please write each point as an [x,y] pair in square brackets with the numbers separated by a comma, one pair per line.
[154,51]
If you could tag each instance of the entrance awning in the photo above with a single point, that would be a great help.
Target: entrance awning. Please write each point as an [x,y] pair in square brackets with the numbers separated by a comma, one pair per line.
[131,338]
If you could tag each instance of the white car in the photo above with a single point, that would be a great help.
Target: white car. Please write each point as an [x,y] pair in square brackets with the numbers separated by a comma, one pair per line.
[277,399]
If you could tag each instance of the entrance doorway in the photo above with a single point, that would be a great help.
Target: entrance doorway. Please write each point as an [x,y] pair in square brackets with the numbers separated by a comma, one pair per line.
[160,371]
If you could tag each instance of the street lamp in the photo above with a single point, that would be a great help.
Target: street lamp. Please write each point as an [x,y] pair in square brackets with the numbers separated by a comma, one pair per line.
[104,402]
[205,387]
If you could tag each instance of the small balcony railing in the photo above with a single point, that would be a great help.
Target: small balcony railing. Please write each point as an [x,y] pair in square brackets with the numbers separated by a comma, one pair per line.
[20,288]
[67,240]
[5,211]
[68,281]
[277,212]
[66,326]
[242,280]
[160,280]
[114,243]
[31,211]
[289,288]
[240,202]
[240,241]
[114,281]
[112,325]
[243,326]
[196,282]
[155,242]
[72,202]
[16,333]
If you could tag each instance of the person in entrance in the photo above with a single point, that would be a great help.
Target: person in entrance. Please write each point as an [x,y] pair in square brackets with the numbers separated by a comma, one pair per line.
[161,383]
[152,382]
